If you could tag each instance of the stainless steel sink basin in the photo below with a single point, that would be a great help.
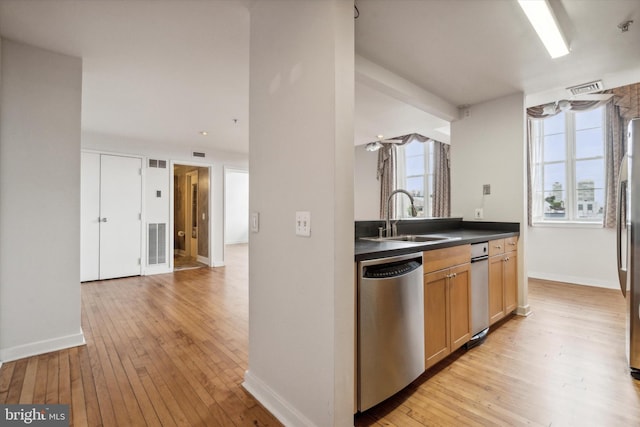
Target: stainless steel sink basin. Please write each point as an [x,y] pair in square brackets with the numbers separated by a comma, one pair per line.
[412,238]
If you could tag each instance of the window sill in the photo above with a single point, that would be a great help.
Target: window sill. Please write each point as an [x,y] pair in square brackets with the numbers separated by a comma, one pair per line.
[568,224]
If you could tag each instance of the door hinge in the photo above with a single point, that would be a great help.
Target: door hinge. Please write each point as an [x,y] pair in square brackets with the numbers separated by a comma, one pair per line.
[140,216]
[139,261]
[140,171]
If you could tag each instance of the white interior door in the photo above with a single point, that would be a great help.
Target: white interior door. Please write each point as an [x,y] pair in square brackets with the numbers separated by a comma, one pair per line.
[89,217]
[120,216]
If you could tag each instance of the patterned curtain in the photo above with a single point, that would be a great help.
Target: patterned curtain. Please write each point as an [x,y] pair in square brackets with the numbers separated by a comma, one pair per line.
[386,175]
[441,204]
[624,107]
[614,152]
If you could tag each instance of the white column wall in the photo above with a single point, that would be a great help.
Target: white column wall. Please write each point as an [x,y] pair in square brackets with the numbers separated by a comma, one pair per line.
[39,201]
[366,185]
[301,289]
[488,147]
[236,207]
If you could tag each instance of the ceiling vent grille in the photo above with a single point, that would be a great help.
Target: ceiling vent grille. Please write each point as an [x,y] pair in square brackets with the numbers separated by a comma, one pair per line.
[586,88]
[198,154]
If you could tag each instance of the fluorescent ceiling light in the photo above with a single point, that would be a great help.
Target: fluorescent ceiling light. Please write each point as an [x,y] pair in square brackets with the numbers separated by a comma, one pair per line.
[539,14]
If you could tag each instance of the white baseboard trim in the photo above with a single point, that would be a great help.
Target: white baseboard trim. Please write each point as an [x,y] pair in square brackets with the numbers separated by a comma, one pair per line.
[41,347]
[575,280]
[217,264]
[150,271]
[276,404]
[523,310]
[202,259]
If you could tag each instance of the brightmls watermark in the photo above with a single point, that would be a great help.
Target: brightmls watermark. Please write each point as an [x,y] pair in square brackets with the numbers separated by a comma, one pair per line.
[34,415]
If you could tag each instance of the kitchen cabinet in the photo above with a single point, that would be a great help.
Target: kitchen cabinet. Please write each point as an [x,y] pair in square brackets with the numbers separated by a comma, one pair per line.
[503,278]
[447,294]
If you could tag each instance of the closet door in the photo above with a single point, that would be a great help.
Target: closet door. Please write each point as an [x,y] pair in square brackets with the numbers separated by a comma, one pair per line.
[89,217]
[120,211]
[111,216]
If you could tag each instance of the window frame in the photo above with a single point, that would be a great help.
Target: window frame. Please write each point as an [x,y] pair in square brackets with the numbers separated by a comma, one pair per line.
[402,203]
[570,161]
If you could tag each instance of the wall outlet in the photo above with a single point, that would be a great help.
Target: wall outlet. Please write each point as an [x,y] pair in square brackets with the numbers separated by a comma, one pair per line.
[478,213]
[486,189]
[303,224]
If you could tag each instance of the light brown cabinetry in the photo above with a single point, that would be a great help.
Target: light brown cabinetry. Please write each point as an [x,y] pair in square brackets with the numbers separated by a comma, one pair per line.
[503,278]
[447,293]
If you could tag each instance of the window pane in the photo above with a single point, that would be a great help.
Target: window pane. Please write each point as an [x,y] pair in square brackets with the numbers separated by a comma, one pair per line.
[592,171]
[590,209]
[589,119]
[554,124]
[554,148]
[589,143]
[555,185]
[415,165]
[414,149]
[554,207]
[415,185]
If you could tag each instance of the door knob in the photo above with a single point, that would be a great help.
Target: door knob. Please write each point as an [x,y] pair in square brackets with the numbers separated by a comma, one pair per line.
[103,219]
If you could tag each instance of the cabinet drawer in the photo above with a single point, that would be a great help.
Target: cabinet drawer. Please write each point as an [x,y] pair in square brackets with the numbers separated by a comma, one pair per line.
[511,244]
[438,259]
[496,247]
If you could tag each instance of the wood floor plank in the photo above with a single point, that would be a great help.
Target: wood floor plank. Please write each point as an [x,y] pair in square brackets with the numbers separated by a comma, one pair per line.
[28,386]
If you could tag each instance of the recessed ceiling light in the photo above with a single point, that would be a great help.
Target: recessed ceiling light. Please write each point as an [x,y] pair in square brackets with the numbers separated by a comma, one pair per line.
[204,133]
[541,17]
[380,136]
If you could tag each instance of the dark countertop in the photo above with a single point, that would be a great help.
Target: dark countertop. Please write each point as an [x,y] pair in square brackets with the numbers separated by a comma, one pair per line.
[464,233]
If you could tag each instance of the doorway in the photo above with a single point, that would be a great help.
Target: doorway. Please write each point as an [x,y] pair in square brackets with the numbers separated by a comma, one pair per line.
[190,217]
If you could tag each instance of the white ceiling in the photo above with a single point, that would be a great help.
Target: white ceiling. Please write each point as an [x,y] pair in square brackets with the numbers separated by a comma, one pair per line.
[165,70]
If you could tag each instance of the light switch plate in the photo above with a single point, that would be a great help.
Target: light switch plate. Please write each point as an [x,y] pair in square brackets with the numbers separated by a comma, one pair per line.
[478,213]
[303,223]
[255,222]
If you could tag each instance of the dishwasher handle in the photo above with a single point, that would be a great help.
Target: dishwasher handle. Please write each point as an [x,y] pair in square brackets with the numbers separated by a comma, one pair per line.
[480,258]
[391,270]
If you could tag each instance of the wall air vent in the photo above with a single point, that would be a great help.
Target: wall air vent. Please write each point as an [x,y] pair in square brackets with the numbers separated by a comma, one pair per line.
[157,234]
[153,163]
[586,88]
[198,154]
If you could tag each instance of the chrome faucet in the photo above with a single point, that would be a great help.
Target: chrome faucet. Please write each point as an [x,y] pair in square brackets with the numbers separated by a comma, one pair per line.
[391,231]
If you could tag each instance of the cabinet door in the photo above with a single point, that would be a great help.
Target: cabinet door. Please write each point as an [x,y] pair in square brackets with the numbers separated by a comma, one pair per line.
[496,292]
[435,317]
[510,282]
[459,305]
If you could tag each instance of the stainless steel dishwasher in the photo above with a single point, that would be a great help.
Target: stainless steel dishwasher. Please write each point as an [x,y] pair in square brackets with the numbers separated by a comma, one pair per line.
[479,293]
[390,326]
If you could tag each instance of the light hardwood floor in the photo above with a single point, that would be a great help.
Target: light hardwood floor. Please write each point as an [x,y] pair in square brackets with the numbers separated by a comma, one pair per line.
[562,366]
[172,350]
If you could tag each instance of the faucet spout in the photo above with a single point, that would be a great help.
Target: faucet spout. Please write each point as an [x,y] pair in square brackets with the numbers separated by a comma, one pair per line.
[389,230]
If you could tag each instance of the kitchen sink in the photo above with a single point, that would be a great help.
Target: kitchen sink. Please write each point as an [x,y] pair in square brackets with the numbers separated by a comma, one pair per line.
[411,238]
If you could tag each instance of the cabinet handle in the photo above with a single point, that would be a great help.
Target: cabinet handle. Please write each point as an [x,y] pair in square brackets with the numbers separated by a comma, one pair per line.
[498,247]
[512,243]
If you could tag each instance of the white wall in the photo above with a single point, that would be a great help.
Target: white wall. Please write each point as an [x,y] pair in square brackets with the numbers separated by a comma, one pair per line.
[366,186]
[301,308]
[236,206]
[488,147]
[584,256]
[162,179]
[39,201]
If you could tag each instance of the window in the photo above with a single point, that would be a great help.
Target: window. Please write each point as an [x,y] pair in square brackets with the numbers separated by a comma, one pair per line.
[569,168]
[415,174]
